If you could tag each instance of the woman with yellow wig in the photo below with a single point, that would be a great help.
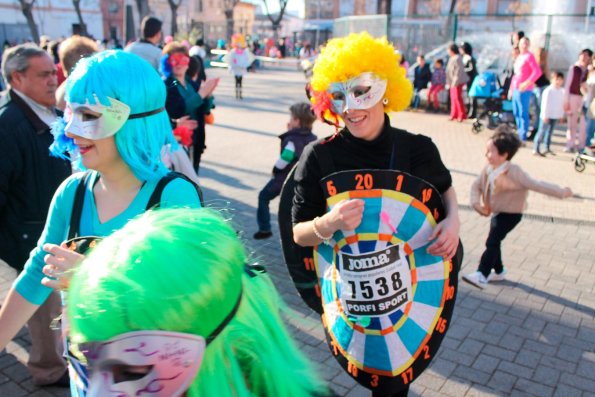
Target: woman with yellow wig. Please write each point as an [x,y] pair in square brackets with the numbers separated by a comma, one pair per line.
[368,200]
[357,79]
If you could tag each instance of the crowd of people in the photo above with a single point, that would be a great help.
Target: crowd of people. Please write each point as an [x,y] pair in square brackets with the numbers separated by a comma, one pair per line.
[89,207]
[539,98]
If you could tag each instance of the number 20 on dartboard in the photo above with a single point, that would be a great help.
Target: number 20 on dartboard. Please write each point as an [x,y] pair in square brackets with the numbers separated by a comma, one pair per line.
[365,181]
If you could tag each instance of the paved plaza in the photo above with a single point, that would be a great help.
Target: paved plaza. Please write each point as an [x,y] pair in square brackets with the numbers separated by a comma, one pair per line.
[532,335]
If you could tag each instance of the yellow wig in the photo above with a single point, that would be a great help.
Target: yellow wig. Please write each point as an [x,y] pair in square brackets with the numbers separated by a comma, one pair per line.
[238,40]
[348,57]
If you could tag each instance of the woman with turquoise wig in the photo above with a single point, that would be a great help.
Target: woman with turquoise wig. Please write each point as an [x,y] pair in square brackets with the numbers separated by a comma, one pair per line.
[114,127]
[201,323]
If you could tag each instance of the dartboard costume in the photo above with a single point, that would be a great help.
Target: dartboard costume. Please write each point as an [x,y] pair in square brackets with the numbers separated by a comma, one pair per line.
[350,153]
[385,302]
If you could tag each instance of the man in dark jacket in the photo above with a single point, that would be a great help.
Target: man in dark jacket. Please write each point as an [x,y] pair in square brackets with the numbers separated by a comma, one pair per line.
[293,141]
[421,78]
[470,64]
[28,179]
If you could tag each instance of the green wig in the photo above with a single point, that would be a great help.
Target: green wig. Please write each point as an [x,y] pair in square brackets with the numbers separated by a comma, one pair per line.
[183,270]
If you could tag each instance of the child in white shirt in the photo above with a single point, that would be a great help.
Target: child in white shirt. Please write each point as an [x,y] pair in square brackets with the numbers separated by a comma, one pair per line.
[552,109]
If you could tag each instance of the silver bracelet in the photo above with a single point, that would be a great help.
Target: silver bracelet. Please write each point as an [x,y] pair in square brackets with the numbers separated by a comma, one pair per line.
[318,234]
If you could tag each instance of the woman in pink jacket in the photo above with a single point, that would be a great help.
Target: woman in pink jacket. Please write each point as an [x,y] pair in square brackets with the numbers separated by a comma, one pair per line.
[526,72]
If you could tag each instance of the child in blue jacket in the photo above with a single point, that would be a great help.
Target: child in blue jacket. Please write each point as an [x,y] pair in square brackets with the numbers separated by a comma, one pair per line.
[293,141]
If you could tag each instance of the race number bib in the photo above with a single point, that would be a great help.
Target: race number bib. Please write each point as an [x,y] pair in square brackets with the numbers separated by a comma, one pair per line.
[375,283]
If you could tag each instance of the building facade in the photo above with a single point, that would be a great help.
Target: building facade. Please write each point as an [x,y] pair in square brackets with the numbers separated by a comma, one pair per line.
[54,18]
[411,8]
[207,18]
[117,20]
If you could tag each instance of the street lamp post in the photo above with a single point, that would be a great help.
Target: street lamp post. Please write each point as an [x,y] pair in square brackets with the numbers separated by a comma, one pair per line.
[318,5]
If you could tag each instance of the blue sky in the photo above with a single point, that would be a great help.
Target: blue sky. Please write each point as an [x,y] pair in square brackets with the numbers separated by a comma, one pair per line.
[294,6]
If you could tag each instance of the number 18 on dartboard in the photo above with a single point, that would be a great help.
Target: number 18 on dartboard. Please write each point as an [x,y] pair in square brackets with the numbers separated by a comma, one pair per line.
[375,283]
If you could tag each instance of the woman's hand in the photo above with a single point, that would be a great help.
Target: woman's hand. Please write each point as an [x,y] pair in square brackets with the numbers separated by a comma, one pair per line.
[346,215]
[60,264]
[207,87]
[186,122]
[446,236]
[524,85]
[481,210]
[567,192]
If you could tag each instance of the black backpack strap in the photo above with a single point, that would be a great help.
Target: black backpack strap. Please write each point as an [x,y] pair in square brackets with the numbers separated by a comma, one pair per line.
[77,206]
[323,155]
[155,199]
[400,158]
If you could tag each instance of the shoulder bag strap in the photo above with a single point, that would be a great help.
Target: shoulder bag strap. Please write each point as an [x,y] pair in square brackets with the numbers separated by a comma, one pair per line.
[155,199]
[77,206]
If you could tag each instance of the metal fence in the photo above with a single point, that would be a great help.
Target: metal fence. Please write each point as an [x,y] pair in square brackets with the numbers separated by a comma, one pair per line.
[376,25]
[563,35]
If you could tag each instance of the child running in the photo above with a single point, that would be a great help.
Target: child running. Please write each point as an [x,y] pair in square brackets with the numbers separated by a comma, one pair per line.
[293,141]
[501,190]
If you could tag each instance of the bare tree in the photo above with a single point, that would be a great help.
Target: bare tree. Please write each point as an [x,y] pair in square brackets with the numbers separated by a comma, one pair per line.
[143,8]
[228,6]
[384,6]
[276,21]
[433,7]
[517,8]
[77,9]
[27,9]
[359,7]
[173,6]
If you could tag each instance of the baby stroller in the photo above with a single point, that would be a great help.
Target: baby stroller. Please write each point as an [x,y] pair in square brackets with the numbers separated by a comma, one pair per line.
[582,158]
[486,87]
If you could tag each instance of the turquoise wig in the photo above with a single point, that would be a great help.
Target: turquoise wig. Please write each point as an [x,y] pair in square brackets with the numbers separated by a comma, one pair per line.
[183,270]
[133,81]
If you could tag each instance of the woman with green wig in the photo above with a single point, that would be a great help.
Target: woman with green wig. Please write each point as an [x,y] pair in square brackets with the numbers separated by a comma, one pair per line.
[168,306]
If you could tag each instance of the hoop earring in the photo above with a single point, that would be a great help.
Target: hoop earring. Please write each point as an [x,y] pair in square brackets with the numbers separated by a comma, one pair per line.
[385,101]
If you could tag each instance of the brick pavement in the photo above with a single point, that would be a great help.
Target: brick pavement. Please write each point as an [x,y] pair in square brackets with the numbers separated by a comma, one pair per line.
[532,335]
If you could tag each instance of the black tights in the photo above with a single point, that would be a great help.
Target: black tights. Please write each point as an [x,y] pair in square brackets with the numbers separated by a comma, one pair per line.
[500,225]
